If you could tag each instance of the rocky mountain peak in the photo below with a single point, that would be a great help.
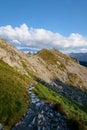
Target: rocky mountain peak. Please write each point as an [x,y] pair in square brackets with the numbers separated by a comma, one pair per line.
[47,65]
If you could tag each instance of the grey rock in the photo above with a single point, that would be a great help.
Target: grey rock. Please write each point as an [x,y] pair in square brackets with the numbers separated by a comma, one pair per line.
[41,116]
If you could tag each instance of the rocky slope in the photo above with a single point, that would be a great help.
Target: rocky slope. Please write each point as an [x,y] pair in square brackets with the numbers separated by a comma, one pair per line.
[57,71]
[48,65]
[14,57]
[52,65]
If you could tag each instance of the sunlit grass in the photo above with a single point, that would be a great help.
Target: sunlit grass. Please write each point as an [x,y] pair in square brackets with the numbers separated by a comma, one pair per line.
[13,95]
[65,106]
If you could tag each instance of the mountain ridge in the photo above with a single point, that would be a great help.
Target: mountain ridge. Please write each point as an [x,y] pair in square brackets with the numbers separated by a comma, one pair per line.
[58,65]
[52,68]
[53,64]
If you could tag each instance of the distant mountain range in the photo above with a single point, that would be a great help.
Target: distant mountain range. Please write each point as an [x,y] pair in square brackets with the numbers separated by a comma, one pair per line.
[81,57]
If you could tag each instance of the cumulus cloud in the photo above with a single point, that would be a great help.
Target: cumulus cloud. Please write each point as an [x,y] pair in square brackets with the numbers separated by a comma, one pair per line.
[41,38]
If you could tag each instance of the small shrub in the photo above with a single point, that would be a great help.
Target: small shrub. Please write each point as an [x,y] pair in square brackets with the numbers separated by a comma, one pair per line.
[59,108]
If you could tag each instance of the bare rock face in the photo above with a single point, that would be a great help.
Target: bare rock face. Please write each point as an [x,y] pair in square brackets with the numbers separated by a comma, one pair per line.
[48,65]
[52,65]
[14,57]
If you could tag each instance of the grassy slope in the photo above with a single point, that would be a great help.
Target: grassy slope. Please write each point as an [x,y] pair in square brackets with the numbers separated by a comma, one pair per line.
[64,105]
[13,95]
[47,56]
[51,58]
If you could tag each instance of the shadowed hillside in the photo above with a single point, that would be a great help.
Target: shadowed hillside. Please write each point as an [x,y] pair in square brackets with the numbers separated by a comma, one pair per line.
[83,63]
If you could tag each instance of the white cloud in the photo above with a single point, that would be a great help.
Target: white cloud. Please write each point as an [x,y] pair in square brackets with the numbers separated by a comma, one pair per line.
[41,38]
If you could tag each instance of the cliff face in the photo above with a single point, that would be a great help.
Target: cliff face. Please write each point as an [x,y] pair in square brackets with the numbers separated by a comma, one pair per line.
[48,65]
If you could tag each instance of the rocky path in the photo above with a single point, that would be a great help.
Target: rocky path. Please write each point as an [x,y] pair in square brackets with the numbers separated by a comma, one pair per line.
[41,116]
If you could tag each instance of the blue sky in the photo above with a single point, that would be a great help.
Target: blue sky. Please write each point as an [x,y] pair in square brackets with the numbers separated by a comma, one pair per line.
[65,17]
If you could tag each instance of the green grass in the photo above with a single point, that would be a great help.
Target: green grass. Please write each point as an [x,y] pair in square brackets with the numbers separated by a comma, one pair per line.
[64,105]
[51,58]
[30,72]
[13,95]
[48,56]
